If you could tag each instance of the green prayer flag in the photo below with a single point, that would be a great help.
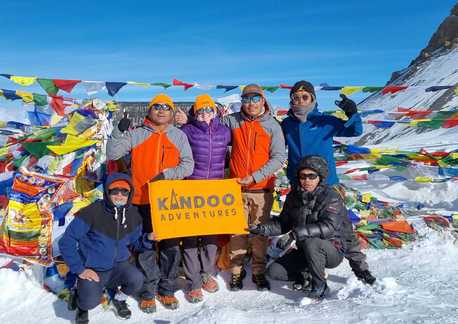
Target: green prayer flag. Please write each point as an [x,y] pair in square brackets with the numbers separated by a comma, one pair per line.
[48,85]
[40,100]
[372,89]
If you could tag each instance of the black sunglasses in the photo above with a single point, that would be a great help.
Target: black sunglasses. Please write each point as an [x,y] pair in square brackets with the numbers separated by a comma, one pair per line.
[121,191]
[310,176]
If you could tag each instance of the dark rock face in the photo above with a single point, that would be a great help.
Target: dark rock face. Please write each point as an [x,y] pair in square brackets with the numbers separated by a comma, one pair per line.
[445,38]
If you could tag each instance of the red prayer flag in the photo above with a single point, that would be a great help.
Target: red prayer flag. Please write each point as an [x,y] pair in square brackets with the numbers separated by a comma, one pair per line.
[285,86]
[393,89]
[181,83]
[66,85]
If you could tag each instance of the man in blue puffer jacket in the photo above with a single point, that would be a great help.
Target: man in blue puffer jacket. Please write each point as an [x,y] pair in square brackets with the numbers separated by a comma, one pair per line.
[96,244]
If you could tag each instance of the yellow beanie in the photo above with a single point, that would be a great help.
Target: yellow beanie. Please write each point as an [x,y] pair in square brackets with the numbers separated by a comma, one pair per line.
[204,100]
[161,98]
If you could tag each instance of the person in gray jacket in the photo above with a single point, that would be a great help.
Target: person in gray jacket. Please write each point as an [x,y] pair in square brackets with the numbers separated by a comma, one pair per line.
[159,151]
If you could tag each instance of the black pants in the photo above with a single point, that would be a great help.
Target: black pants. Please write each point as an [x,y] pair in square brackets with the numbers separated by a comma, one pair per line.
[123,274]
[353,254]
[313,255]
[160,275]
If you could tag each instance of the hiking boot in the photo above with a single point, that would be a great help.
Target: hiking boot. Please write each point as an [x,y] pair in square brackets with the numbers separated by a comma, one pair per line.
[194,296]
[261,282]
[82,316]
[71,304]
[209,284]
[302,282]
[365,276]
[319,291]
[169,302]
[121,308]
[147,305]
[237,281]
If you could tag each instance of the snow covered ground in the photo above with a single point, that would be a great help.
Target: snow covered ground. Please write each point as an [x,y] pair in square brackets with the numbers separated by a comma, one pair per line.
[416,284]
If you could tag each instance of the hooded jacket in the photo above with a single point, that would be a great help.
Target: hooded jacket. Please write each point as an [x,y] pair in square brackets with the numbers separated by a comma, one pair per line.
[258,148]
[152,152]
[209,144]
[315,137]
[100,234]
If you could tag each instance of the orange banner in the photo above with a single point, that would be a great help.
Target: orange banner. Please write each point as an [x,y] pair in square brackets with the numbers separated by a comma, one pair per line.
[181,208]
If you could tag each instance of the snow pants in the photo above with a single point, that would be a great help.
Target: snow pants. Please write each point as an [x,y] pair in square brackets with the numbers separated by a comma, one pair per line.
[123,274]
[160,265]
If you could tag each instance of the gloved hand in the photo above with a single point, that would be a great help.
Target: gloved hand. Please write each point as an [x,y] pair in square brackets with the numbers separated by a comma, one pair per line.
[261,229]
[347,105]
[160,176]
[124,123]
[285,240]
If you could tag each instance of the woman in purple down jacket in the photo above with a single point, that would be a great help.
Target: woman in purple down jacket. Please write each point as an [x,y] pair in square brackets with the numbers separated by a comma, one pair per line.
[209,140]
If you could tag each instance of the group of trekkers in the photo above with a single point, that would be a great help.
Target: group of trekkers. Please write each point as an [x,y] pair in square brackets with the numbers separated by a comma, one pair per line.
[97,244]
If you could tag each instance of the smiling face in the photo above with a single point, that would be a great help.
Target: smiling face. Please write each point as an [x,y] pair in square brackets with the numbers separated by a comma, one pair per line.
[308,179]
[119,196]
[160,114]
[253,105]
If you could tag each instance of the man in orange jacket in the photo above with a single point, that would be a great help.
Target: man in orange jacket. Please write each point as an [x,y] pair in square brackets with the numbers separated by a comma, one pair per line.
[258,151]
[159,151]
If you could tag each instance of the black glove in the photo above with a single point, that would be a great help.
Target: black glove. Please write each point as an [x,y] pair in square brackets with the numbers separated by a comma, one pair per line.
[261,229]
[347,105]
[285,240]
[160,176]
[124,124]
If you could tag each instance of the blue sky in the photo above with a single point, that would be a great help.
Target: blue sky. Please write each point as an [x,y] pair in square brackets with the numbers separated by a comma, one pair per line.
[215,42]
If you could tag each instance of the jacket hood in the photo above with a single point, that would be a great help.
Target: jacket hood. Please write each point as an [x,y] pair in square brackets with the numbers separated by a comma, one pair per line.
[315,163]
[112,178]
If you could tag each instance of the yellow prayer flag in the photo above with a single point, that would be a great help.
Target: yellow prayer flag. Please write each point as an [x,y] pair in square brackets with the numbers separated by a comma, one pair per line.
[71,144]
[416,121]
[340,114]
[23,81]
[1,93]
[350,90]
[423,179]
[454,155]
[27,97]
[456,91]
[71,126]
[366,197]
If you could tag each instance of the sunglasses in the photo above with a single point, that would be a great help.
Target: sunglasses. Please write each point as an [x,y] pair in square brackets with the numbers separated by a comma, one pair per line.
[204,110]
[310,176]
[304,97]
[163,107]
[253,99]
[116,191]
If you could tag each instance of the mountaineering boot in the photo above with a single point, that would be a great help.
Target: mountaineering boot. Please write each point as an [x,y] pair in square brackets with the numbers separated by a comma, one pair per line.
[209,284]
[147,305]
[71,304]
[121,308]
[194,296]
[319,291]
[237,281]
[261,282]
[303,282]
[169,302]
[365,276]
[82,316]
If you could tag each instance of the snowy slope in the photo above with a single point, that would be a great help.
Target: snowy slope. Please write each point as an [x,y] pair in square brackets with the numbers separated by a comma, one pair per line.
[415,285]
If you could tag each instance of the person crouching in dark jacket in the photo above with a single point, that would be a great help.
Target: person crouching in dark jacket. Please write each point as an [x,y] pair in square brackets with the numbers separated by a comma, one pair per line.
[312,216]
[96,245]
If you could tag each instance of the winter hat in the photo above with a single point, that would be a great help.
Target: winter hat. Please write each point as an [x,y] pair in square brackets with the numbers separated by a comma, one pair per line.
[161,98]
[204,100]
[123,184]
[302,85]
[315,163]
[252,89]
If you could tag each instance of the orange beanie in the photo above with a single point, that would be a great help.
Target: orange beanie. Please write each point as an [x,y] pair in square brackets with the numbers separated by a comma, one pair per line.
[161,98]
[204,100]
[123,184]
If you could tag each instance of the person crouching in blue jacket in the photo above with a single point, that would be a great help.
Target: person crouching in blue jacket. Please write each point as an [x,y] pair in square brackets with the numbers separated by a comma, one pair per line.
[95,246]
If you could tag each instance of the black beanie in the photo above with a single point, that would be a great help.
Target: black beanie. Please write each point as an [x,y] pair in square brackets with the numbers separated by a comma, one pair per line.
[315,163]
[303,85]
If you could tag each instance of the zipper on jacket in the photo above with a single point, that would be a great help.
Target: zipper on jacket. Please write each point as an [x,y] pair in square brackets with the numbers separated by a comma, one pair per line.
[163,156]
[249,147]
[255,139]
[210,151]
[117,239]
[158,151]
